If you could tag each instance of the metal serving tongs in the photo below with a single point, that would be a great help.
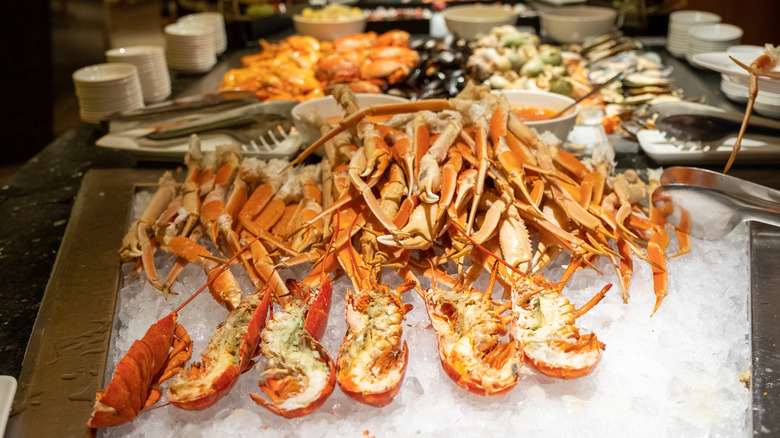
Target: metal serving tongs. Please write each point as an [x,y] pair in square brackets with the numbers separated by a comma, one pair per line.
[218,101]
[708,205]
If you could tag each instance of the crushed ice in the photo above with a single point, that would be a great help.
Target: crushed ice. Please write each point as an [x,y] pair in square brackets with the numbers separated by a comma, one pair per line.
[676,374]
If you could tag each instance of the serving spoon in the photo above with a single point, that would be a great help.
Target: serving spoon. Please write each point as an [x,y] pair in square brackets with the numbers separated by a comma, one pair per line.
[707,128]
[591,93]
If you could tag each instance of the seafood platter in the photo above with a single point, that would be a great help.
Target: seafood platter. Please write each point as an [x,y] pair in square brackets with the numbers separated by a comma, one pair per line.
[393,62]
[440,269]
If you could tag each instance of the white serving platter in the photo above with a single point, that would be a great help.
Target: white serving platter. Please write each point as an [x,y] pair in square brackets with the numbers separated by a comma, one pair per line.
[755,148]
[7,392]
[665,152]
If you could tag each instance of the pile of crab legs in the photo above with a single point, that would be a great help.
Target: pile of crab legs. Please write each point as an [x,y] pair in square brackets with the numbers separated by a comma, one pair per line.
[458,181]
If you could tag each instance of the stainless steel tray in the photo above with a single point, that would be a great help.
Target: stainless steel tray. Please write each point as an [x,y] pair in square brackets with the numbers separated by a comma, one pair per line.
[67,353]
[66,356]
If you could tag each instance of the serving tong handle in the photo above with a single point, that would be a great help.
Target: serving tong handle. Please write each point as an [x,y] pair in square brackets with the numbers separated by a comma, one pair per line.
[204,126]
[223,99]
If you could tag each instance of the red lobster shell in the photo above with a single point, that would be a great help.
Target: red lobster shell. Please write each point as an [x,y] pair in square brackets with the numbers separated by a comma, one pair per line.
[148,362]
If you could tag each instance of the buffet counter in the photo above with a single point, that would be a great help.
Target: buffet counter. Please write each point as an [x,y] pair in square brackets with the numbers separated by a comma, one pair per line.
[37,209]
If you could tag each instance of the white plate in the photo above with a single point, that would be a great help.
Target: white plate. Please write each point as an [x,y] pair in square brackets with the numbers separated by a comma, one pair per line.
[735,97]
[720,62]
[716,32]
[755,148]
[563,2]
[693,17]
[767,109]
[660,149]
[7,392]
[745,53]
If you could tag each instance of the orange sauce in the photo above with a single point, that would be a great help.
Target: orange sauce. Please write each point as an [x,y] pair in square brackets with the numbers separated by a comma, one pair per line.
[374,119]
[529,114]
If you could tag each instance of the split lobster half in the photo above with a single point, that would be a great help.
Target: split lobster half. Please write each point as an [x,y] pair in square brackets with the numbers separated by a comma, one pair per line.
[543,322]
[468,328]
[372,357]
[156,357]
[228,355]
[300,375]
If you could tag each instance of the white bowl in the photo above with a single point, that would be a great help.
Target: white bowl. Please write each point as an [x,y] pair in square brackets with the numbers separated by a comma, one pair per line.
[468,21]
[576,23]
[560,126]
[328,30]
[105,89]
[327,108]
[152,69]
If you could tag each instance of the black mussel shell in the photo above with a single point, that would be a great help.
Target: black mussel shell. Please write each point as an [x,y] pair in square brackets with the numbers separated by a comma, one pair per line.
[454,84]
[445,59]
[415,77]
[398,91]
[417,43]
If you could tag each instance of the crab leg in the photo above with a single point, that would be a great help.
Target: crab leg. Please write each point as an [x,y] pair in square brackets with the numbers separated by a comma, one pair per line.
[761,66]
[224,289]
[376,110]
[137,242]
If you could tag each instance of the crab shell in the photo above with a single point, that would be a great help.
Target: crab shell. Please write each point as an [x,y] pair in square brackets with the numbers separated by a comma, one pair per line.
[207,382]
[319,309]
[455,367]
[293,379]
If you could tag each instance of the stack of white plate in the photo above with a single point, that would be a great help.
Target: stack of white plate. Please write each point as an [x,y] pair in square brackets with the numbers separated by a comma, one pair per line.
[735,80]
[189,48]
[152,69]
[712,38]
[732,90]
[206,19]
[680,23]
[767,104]
[106,89]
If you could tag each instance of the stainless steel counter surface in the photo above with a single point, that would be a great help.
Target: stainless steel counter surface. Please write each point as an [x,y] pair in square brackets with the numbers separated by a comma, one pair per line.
[765,328]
